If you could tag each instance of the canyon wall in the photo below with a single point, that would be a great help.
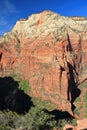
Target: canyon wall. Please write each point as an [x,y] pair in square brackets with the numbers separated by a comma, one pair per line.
[50,51]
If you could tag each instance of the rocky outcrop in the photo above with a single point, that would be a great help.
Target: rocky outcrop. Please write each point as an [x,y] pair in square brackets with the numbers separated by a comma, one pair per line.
[80,20]
[81,125]
[50,51]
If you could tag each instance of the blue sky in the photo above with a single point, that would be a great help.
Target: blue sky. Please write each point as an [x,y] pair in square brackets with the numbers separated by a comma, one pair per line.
[13,10]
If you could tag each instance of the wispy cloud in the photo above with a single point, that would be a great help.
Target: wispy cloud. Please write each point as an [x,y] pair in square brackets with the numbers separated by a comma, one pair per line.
[7,9]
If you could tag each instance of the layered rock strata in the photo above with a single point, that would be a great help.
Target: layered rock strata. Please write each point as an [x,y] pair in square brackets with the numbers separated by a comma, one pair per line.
[50,51]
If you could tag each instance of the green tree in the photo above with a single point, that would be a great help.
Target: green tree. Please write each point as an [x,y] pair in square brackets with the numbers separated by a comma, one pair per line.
[7,120]
[36,119]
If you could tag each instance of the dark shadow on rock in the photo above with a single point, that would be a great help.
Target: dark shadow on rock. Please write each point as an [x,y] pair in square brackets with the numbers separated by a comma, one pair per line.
[61,115]
[73,90]
[73,107]
[69,129]
[12,98]
[84,129]
[69,47]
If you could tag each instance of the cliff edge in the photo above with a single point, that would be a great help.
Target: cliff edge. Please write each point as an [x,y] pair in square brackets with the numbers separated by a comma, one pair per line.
[50,51]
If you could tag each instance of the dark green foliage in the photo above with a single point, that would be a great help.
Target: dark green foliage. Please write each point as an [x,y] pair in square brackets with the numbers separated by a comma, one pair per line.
[78,105]
[24,85]
[84,70]
[8,119]
[43,104]
[62,122]
[85,101]
[36,119]
[83,85]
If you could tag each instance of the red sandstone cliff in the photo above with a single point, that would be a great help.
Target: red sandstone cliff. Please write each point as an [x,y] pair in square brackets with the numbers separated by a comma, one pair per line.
[50,51]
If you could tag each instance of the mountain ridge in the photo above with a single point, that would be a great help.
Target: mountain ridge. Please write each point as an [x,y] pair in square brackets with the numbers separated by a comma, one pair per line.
[50,51]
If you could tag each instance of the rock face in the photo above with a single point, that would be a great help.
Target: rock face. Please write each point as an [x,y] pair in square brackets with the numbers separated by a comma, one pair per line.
[81,125]
[50,51]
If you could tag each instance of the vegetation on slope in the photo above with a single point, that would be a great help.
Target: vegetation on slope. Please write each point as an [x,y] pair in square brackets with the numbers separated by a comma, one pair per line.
[35,118]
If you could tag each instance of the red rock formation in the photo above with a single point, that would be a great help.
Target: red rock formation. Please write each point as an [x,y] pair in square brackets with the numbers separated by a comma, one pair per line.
[81,125]
[49,50]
